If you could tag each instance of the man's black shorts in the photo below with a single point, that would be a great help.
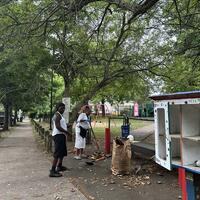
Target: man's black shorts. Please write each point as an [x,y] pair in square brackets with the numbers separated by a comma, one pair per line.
[60,146]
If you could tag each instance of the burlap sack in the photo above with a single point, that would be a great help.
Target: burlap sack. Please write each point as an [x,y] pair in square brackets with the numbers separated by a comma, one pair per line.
[121,157]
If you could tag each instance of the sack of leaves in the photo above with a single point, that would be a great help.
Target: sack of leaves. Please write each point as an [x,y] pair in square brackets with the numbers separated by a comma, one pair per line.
[121,157]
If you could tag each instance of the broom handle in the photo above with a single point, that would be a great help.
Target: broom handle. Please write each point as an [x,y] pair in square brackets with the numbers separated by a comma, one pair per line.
[97,145]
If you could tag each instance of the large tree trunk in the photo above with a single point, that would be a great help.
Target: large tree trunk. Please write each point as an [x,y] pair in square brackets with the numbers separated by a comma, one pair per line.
[15,117]
[103,107]
[85,100]
[6,120]
[11,119]
[77,108]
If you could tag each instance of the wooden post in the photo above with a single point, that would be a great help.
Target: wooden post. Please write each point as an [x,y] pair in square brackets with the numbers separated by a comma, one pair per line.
[49,143]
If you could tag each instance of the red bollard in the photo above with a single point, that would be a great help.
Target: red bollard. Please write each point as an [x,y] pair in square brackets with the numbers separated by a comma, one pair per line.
[107,141]
[182,182]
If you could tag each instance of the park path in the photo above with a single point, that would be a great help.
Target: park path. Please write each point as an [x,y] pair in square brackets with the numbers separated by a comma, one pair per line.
[144,131]
[24,170]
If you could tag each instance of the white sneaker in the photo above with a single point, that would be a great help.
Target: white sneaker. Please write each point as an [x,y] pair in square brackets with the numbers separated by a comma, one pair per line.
[77,157]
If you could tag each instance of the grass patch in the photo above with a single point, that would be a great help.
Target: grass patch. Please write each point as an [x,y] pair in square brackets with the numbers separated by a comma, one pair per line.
[115,126]
[99,124]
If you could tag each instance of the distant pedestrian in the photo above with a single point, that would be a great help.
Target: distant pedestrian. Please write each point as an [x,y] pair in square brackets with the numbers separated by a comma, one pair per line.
[81,129]
[59,134]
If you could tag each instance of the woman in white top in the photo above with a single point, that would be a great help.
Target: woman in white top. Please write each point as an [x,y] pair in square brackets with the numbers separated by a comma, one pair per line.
[82,126]
[59,134]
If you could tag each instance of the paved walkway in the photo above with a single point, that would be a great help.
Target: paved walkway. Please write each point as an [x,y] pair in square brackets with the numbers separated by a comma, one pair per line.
[144,131]
[24,170]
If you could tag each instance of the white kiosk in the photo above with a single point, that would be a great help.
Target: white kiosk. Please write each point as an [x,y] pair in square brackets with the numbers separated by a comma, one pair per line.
[177,130]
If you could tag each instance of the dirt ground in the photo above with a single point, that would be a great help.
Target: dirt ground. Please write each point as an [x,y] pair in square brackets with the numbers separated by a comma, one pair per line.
[147,180]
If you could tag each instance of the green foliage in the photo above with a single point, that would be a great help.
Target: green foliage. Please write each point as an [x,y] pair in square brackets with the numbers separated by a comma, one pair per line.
[24,76]
[182,73]
[32,115]
[183,76]
[117,50]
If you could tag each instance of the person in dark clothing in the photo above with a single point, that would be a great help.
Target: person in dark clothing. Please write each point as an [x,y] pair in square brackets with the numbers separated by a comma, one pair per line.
[59,134]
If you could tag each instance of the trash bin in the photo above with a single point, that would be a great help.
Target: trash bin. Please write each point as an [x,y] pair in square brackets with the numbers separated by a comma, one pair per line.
[125,130]
[190,186]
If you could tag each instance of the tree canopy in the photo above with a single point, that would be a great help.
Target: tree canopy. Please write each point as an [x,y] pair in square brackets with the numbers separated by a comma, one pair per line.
[124,47]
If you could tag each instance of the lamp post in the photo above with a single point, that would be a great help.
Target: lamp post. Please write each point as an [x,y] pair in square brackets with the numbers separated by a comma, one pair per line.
[51,101]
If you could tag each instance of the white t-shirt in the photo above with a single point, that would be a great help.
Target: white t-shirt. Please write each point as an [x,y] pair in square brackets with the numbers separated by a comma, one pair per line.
[62,124]
[85,124]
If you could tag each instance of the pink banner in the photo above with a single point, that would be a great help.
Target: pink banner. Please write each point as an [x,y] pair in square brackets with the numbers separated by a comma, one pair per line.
[136,110]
